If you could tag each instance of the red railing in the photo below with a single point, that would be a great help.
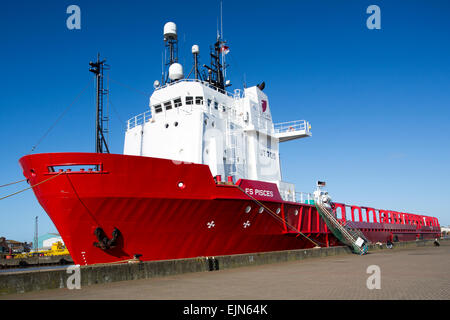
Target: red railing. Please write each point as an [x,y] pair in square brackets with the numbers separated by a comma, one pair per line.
[383,216]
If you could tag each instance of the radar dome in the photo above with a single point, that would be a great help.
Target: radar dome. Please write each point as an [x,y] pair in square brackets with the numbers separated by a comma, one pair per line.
[195,49]
[170,31]
[176,71]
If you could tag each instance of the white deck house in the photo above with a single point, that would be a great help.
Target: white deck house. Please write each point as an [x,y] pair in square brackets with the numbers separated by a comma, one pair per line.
[233,134]
[197,121]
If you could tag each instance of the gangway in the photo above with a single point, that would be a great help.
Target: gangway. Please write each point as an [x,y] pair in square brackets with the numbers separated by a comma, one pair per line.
[350,236]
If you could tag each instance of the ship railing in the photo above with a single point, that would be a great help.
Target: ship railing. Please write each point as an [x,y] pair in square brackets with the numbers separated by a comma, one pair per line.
[205,83]
[304,197]
[296,125]
[263,124]
[345,213]
[139,119]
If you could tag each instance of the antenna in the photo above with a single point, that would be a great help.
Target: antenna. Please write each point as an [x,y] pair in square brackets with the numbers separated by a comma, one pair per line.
[175,70]
[36,248]
[222,46]
[97,68]
[221,20]
[162,67]
[195,52]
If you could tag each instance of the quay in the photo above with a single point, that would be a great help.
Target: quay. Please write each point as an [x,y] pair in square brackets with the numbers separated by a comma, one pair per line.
[35,261]
[412,270]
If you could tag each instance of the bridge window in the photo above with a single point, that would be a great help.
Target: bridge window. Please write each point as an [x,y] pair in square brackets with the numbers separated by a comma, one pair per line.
[177,102]
[168,105]
[199,100]
[189,100]
[158,108]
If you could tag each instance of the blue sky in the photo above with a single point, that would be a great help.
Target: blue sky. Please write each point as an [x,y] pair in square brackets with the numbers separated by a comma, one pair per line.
[378,100]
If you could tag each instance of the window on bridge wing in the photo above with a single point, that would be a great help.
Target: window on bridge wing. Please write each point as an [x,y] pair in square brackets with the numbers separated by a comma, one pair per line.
[209,102]
[158,108]
[189,100]
[216,105]
[199,100]
[177,102]
[168,105]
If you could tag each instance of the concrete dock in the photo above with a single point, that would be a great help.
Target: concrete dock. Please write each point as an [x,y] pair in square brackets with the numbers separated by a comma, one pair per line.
[412,272]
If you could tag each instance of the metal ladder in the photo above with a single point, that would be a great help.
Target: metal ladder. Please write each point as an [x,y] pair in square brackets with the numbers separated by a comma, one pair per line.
[350,236]
[231,143]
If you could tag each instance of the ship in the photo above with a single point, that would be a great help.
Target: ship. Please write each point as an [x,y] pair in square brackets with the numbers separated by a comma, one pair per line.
[200,176]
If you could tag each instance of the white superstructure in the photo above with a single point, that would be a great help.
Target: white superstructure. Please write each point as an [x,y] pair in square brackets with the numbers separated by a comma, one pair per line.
[194,120]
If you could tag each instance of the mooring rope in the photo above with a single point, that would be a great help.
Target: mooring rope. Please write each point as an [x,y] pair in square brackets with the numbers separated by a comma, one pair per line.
[60,116]
[31,187]
[11,183]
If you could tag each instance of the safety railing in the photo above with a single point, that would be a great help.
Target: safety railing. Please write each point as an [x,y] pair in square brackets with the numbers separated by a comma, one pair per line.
[291,126]
[367,214]
[139,119]
[205,83]
[304,197]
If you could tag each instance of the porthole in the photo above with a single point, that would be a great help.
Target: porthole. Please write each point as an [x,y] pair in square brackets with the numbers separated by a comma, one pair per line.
[248,209]
[167,125]
[175,124]
[181,185]
[278,210]
[261,210]
[296,212]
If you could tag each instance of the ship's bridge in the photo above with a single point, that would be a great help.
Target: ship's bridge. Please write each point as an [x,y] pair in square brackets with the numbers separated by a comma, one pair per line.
[233,133]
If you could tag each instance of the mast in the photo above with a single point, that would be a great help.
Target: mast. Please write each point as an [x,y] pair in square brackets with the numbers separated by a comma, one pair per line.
[216,72]
[173,70]
[97,68]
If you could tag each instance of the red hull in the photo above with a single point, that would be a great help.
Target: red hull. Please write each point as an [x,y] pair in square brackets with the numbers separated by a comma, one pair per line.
[167,210]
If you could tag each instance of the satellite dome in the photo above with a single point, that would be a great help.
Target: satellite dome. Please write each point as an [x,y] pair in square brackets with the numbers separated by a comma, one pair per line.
[176,71]
[170,31]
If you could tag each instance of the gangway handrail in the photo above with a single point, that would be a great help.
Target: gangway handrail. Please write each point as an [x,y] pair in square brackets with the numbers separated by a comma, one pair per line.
[351,235]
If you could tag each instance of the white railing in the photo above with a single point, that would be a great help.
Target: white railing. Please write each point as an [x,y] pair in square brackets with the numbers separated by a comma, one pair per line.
[139,119]
[205,83]
[304,197]
[297,125]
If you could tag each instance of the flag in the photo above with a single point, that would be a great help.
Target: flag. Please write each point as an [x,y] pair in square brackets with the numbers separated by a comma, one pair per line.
[225,49]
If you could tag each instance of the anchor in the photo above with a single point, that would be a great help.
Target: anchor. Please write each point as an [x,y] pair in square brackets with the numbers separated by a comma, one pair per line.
[104,242]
